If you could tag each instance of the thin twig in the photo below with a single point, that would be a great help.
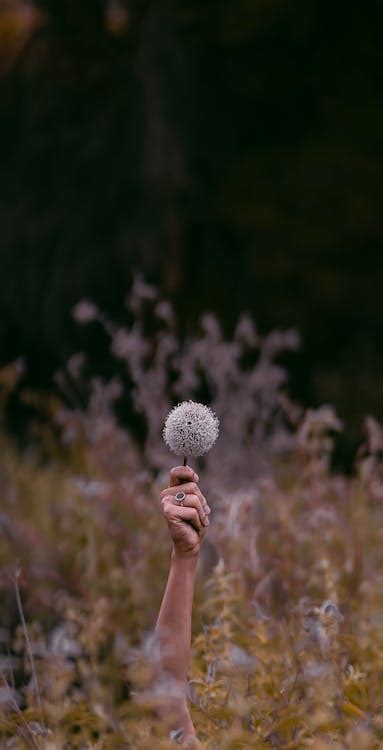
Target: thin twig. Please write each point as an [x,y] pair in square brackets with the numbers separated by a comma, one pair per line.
[30,738]
[28,644]
[11,667]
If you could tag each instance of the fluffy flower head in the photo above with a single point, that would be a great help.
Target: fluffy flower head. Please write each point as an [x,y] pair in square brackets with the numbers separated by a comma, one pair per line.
[191,429]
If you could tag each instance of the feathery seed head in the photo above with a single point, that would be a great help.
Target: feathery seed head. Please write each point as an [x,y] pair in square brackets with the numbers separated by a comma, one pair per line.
[190,429]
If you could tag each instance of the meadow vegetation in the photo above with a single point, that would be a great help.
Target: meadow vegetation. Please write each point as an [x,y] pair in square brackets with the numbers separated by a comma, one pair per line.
[287,645]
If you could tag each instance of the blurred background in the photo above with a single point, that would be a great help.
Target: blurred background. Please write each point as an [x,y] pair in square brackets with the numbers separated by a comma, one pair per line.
[191,207]
[230,152]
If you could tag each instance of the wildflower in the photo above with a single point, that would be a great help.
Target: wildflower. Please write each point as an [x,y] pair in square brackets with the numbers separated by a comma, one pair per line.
[191,429]
[121,343]
[211,327]
[245,331]
[315,436]
[76,364]
[164,311]
[85,311]
[278,341]
[317,423]
[374,433]
[140,293]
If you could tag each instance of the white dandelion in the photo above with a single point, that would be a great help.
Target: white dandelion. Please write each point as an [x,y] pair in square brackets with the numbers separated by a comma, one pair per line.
[190,429]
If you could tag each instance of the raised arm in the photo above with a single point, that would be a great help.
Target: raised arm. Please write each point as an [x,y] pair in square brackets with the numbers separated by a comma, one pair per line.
[187,526]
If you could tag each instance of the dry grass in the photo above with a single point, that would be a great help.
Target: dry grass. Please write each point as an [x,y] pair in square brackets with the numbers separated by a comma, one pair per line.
[287,623]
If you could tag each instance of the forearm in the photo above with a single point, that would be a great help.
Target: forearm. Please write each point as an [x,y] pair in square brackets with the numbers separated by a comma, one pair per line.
[173,627]
[187,523]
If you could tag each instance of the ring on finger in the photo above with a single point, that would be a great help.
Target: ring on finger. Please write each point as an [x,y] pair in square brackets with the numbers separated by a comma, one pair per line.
[180,497]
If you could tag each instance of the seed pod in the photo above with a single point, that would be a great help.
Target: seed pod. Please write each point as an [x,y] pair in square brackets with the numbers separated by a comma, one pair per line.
[191,429]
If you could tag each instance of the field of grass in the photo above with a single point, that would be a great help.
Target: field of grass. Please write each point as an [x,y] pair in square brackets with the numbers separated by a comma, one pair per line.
[287,645]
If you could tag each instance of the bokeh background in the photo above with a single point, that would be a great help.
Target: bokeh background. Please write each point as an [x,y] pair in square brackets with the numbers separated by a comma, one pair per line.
[229,151]
[190,207]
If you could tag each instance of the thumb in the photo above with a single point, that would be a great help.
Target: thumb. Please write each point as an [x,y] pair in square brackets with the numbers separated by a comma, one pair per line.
[181,474]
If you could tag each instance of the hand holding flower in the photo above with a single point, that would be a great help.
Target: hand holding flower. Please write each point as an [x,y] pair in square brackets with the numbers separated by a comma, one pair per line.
[187,523]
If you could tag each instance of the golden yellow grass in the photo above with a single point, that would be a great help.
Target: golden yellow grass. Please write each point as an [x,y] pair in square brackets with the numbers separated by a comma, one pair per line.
[287,623]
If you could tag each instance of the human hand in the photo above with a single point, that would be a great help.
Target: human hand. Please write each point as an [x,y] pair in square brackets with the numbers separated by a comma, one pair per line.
[187,523]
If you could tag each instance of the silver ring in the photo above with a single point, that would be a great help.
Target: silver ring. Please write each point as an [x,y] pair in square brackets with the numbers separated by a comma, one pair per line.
[180,497]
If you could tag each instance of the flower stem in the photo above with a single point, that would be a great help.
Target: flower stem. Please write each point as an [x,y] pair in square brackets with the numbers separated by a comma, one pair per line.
[185,461]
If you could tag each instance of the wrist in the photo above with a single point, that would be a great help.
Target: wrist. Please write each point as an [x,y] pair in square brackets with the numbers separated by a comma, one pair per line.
[187,559]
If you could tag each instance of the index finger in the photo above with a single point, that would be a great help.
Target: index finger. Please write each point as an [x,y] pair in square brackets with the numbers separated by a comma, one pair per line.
[181,474]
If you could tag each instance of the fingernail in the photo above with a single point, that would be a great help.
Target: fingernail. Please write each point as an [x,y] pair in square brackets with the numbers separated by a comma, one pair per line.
[208,510]
[196,477]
